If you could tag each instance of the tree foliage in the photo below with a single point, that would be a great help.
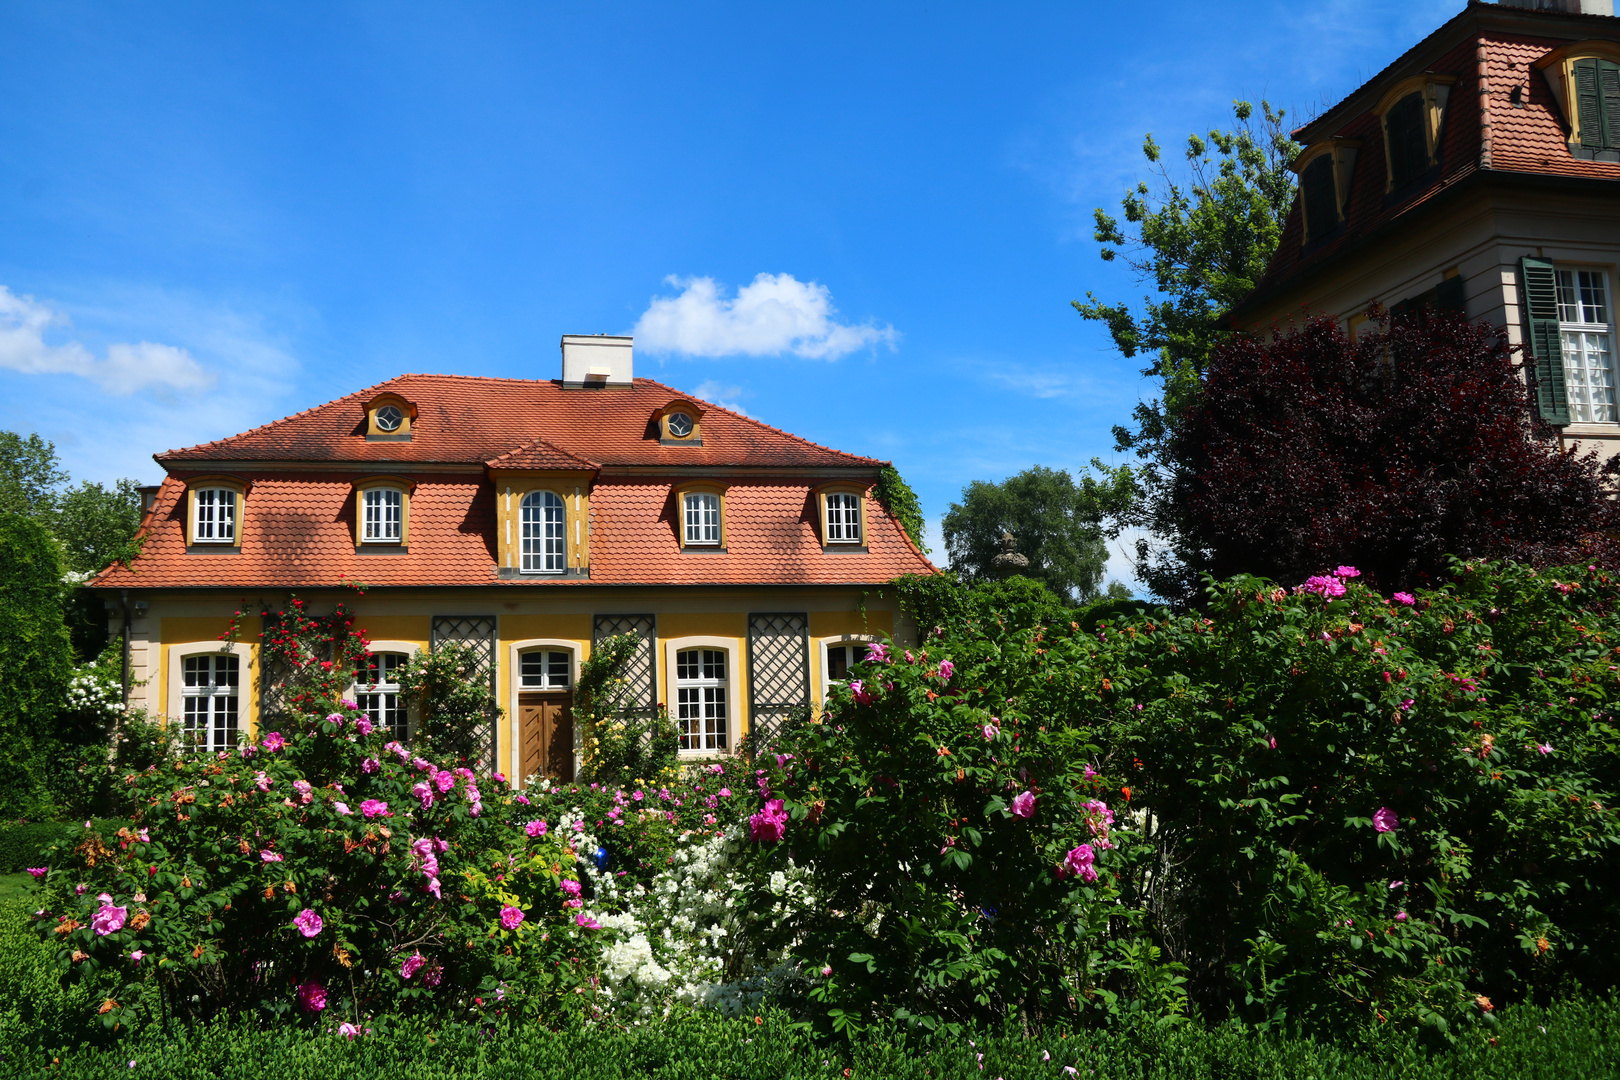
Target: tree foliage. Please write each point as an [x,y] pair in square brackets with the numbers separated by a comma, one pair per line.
[1201,245]
[95,524]
[1415,441]
[36,659]
[1057,524]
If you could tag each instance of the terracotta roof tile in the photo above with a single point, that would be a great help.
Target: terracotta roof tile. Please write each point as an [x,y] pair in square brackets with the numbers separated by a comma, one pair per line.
[471,420]
[298,532]
[539,454]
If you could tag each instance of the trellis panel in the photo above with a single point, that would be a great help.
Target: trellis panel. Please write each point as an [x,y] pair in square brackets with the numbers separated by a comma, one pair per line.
[778,672]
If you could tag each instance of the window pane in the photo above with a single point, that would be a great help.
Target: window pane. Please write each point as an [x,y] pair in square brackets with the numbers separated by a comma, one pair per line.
[837,663]
[1594,305]
[1568,308]
[557,670]
[534,668]
[1589,377]
[384,514]
[702,518]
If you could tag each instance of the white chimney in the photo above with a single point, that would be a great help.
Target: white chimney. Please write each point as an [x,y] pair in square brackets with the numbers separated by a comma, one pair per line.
[1574,7]
[596,360]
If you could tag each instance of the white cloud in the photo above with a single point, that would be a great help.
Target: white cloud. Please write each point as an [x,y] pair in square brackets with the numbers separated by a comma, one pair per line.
[774,314]
[724,396]
[127,369]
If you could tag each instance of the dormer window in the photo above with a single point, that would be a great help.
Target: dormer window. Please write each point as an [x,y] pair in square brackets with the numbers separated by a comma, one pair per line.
[1585,80]
[680,423]
[213,516]
[544,537]
[701,517]
[1412,113]
[1325,171]
[382,511]
[389,418]
[214,511]
[842,508]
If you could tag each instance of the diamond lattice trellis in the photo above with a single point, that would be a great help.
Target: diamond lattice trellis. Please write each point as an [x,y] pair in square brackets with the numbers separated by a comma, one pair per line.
[778,672]
[641,674]
[477,632]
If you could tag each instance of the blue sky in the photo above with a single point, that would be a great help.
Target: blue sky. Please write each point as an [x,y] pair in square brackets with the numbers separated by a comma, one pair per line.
[213,215]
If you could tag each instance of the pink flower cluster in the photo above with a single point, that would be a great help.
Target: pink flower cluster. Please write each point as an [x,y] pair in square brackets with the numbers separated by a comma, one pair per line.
[770,824]
[1078,863]
[427,851]
[1322,585]
[1098,819]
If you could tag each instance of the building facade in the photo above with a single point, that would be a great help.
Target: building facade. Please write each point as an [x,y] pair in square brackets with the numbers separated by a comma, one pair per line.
[1479,172]
[527,520]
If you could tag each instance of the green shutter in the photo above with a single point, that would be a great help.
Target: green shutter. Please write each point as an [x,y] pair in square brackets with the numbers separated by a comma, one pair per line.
[1589,104]
[1320,200]
[1609,96]
[1541,314]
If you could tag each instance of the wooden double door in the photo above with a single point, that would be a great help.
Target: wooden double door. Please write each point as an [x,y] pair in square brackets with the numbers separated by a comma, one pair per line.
[546,724]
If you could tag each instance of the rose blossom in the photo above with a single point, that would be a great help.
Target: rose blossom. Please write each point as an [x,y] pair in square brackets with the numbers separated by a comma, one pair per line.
[877,653]
[536,828]
[109,919]
[1078,863]
[373,808]
[1404,598]
[305,792]
[138,955]
[411,964]
[769,824]
[1347,572]
[370,765]
[308,923]
[444,780]
[946,670]
[311,996]
[423,792]
[858,689]
[269,856]
[1023,804]
[511,917]
[262,781]
[587,922]
[342,808]
[363,724]
[1386,820]
[570,886]
[348,1030]
[39,871]
[274,741]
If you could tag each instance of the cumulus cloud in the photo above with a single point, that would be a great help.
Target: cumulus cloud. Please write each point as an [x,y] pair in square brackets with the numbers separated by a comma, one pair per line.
[127,368]
[724,396]
[774,314]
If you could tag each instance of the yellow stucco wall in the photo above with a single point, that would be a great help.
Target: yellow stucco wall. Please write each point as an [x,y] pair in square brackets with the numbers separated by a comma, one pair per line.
[188,630]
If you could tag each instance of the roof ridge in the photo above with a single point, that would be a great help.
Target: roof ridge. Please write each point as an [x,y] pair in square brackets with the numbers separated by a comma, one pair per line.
[763,424]
[549,445]
[274,423]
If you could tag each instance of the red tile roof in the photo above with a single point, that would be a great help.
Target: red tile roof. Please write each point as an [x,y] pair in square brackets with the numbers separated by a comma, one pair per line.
[1484,37]
[466,419]
[539,455]
[297,532]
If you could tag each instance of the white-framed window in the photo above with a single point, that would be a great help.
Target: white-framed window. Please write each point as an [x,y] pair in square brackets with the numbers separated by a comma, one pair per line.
[702,518]
[543,536]
[376,691]
[209,700]
[843,518]
[384,515]
[545,669]
[213,516]
[1587,340]
[841,656]
[700,699]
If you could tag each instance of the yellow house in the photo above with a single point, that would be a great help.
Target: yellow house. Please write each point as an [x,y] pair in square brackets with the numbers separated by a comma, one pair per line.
[527,519]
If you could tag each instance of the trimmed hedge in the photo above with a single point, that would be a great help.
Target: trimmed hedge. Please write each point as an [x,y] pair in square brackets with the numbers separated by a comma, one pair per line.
[1574,1039]
[23,843]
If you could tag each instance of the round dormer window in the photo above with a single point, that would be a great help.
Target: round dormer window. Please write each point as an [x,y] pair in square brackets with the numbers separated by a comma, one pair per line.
[680,425]
[389,418]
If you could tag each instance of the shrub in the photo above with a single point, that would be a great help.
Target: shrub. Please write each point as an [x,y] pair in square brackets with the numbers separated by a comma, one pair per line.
[25,843]
[620,744]
[36,659]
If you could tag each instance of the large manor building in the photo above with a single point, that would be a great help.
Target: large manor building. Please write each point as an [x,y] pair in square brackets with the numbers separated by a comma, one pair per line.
[526,519]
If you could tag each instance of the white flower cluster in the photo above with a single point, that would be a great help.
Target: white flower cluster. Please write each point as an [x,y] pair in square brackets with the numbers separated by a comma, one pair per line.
[672,943]
[89,691]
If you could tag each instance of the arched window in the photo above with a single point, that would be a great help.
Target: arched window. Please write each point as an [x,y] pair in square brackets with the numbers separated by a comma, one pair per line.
[544,549]
[376,679]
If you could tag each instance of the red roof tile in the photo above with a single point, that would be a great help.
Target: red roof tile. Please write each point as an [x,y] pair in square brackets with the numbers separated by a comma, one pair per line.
[298,532]
[539,455]
[470,420]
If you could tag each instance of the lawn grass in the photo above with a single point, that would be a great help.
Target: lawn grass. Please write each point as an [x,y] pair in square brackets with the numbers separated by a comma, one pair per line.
[14,887]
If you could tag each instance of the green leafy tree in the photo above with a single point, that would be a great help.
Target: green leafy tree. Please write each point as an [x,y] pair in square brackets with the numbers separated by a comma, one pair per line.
[36,658]
[97,524]
[30,475]
[1200,244]
[1057,524]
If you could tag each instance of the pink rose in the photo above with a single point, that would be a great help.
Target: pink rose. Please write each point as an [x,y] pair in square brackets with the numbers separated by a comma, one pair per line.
[946,670]
[444,780]
[423,792]
[536,828]
[397,750]
[587,922]
[109,919]
[1078,863]
[335,718]
[1404,598]
[1023,804]
[769,824]
[39,871]
[877,653]
[1386,820]
[348,1030]
[373,808]
[411,965]
[858,689]
[308,923]
[370,765]
[274,741]
[363,724]
[1347,572]
[305,792]
[570,886]
[991,731]
[511,917]
[262,781]
[342,808]
[311,996]
[269,856]
[138,955]
[1544,748]
[1400,916]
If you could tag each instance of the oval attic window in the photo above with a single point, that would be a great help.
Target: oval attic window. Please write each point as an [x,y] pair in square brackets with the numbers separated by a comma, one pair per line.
[680,425]
[389,418]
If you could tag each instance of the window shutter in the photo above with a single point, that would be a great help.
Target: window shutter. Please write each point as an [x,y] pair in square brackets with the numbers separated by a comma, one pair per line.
[1589,104]
[1541,311]
[1609,94]
[1321,204]
[1450,295]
